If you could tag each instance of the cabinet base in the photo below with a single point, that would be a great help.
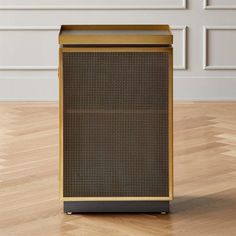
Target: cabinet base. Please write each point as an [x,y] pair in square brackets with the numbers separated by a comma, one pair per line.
[116,206]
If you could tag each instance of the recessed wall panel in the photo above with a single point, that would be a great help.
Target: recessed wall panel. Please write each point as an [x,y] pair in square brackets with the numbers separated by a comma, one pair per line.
[221,3]
[220,48]
[94,3]
[28,49]
[179,47]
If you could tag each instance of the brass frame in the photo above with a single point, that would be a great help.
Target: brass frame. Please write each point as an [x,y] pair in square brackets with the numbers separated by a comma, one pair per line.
[115,39]
[170,120]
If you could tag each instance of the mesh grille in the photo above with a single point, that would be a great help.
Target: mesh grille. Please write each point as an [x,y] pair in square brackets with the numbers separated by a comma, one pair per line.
[115,80]
[115,124]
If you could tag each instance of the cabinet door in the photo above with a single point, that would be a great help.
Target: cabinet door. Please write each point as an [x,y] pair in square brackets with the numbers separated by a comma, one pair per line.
[116,109]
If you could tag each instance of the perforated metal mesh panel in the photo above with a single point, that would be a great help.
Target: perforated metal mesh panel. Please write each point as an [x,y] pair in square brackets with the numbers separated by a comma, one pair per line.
[115,124]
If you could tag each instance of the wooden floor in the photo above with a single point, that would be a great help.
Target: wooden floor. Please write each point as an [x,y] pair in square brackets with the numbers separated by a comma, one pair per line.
[205,177]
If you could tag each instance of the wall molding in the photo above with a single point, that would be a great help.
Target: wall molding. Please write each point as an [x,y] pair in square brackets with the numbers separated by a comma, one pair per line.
[206,6]
[29,28]
[205,48]
[183,5]
[57,28]
[31,68]
[184,45]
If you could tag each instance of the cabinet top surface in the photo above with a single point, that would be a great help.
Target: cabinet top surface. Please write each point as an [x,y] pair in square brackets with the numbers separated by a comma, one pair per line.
[115,34]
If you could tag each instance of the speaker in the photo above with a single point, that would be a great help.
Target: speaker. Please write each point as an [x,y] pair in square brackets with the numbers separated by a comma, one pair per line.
[116,115]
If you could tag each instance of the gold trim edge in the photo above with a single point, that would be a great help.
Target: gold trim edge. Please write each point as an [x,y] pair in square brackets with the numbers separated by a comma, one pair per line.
[60,124]
[170,120]
[116,198]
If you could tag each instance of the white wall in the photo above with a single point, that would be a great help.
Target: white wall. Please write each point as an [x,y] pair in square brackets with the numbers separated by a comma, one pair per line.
[204,35]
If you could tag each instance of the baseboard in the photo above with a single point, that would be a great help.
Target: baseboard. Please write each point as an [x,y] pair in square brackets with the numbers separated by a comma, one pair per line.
[31,89]
[204,89]
[185,89]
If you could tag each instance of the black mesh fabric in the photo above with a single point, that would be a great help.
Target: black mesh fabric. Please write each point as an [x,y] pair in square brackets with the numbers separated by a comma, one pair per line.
[115,124]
